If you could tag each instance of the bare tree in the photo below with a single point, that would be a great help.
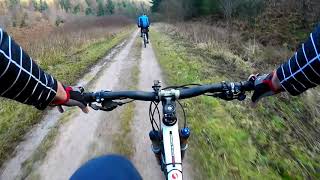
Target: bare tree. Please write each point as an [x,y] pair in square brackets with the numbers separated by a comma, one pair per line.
[2,8]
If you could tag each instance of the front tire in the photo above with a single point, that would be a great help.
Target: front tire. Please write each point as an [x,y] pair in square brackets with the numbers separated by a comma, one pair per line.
[144,40]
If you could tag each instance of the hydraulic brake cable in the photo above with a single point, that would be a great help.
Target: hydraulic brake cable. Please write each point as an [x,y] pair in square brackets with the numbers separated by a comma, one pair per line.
[127,102]
[151,115]
[184,114]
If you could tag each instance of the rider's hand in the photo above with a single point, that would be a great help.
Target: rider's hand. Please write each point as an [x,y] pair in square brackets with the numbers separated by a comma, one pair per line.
[70,96]
[265,85]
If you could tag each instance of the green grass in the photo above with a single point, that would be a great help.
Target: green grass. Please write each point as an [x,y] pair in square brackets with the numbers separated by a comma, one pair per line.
[16,119]
[123,142]
[72,67]
[230,140]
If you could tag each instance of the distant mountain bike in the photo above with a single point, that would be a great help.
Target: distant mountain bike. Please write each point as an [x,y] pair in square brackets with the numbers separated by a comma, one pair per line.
[144,36]
[169,143]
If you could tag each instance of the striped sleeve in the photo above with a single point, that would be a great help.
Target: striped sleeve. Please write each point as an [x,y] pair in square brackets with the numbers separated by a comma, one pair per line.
[20,77]
[302,70]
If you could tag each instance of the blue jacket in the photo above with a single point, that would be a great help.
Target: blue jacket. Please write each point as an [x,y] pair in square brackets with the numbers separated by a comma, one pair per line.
[143,21]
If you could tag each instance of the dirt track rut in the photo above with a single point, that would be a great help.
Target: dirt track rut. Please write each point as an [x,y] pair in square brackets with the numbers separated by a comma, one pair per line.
[76,137]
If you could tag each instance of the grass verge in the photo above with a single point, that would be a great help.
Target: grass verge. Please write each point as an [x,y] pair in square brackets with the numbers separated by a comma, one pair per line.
[229,139]
[16,119]
[123,142]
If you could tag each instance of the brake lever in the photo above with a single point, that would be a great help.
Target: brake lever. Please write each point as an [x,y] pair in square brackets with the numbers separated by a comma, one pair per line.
[94,107]
[229,97]
[223,96]
[106,105]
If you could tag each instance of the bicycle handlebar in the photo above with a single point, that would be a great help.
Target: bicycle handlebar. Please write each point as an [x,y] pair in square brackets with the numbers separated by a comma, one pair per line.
[190,92]
[136,95]
[214,88]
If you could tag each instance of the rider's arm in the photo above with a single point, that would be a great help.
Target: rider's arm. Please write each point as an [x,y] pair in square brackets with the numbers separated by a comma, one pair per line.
[22,80]
[299,73]
[20,77]
[138,22]
[302,70]
[148,21]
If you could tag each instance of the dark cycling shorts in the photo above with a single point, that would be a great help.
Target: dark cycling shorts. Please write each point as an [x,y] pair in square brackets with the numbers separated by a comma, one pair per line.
[146,28]
[113,167]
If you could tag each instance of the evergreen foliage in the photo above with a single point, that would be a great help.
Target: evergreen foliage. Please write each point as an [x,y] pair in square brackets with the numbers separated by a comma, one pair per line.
[89,10]
[65,5]
[195,8]
[110,7]
[13,3]
[76,9]
[100,8]
[155,5]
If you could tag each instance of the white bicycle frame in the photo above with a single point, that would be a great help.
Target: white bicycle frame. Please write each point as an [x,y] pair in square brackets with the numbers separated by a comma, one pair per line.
[172,151]
[171,144]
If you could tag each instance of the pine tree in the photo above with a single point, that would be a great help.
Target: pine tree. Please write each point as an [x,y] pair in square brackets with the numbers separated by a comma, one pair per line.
[76,9]
[100,11]
[14,3]
[155,5]
[43,6]
[65,5]
[110,7]
[35,5]
[89,10]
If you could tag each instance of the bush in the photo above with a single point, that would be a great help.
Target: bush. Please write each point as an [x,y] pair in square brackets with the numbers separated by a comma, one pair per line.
[59,21]
[23,22]
[249,9]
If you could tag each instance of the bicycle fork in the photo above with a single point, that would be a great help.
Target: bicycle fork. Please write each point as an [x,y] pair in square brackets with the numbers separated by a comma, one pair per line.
[184,136]
[155,137]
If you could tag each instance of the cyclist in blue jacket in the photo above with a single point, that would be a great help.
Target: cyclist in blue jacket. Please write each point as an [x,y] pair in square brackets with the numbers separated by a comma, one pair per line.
[144,23]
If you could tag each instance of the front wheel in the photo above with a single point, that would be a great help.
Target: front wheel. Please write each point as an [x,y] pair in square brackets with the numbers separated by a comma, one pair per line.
[175,175]
[144,40]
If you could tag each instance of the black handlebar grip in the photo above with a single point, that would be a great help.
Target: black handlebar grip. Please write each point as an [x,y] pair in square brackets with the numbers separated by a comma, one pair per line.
[89,97]
[247,85]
